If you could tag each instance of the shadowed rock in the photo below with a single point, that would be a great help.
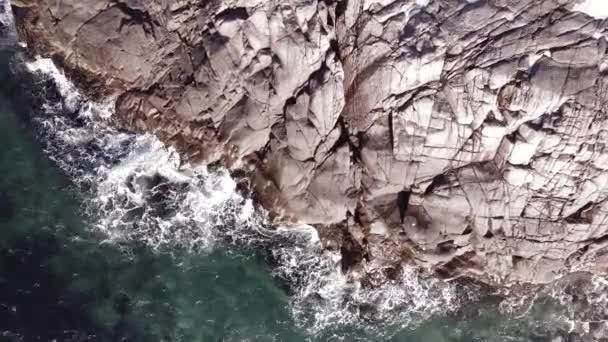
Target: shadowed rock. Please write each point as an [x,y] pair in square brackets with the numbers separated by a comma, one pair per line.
[403,199]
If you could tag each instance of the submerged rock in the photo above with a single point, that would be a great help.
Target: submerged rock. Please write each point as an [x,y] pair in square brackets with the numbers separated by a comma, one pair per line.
[489,115]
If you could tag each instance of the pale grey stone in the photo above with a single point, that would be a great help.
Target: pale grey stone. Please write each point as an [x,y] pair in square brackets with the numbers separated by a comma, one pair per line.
[491,114]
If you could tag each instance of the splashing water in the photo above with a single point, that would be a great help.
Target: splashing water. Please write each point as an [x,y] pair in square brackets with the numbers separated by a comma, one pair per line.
[142,192]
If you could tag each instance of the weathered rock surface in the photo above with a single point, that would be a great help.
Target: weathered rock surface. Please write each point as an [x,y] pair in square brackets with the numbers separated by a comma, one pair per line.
[469,137]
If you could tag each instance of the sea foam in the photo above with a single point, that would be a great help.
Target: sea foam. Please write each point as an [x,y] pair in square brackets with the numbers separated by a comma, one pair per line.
[141,191]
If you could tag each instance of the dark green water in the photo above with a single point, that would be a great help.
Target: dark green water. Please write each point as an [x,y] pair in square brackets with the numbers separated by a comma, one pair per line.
[58,281]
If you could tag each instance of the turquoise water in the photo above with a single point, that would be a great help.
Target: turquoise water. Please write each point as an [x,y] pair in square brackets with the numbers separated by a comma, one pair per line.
[63,279]
[57,279]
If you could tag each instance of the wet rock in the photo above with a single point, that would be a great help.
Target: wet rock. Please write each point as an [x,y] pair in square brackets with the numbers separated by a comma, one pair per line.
[491,113]
[352,254]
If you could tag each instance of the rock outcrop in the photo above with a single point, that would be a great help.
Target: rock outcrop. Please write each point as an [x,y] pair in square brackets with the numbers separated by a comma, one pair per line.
[468,137]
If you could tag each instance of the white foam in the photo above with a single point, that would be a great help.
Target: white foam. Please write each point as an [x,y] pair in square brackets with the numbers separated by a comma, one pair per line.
[247,210]
[9,36]
[578,302]
[333,301]
[68,91]
[141,191]
[595,8]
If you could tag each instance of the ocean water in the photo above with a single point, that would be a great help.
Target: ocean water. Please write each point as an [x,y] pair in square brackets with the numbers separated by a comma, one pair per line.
[59,280]
[108,235]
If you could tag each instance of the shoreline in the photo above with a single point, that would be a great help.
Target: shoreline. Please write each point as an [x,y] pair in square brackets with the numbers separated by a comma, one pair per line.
[365,230]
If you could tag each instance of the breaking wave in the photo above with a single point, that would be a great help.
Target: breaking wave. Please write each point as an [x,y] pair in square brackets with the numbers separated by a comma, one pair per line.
[140,191]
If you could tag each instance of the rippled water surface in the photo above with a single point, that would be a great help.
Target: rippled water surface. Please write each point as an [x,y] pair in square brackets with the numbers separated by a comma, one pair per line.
[108,235]
[58,280]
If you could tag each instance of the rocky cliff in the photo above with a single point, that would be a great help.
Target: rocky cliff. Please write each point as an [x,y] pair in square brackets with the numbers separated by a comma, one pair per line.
[467,137]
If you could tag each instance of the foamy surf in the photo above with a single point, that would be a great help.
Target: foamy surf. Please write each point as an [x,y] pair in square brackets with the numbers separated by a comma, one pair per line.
[140,191]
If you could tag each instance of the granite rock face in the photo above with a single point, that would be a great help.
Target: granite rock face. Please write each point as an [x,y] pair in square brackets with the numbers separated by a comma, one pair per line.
[468,137]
